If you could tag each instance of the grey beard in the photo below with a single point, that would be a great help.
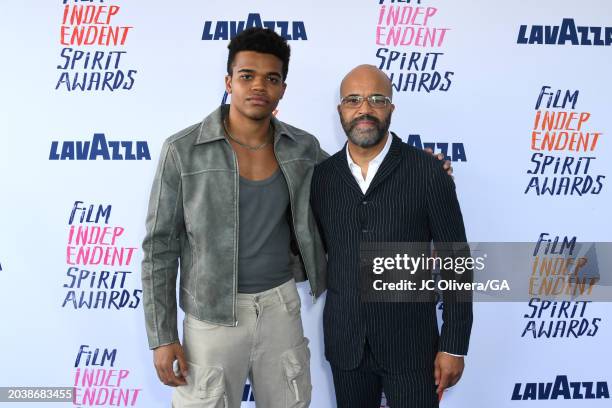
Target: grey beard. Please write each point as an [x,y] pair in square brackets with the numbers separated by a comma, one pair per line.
[366,138]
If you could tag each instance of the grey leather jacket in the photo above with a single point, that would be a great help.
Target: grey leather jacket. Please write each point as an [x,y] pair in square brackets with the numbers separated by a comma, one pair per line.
[193,220]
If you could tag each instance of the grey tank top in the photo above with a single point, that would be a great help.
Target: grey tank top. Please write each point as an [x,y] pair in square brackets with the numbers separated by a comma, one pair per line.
[264,234]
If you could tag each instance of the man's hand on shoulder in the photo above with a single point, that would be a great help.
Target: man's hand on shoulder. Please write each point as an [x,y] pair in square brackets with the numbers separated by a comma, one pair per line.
[447,370]
[447,164]
[163,359]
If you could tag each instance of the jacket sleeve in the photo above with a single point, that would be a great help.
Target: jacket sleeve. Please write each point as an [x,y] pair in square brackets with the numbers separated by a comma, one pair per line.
[448,233]
[161,248]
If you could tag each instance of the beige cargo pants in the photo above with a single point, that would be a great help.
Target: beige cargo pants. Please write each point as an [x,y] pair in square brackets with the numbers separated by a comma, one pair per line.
[268,346]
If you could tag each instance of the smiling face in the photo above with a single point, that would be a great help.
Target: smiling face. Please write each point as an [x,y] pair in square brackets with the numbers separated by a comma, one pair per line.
[365,126]
[256,84]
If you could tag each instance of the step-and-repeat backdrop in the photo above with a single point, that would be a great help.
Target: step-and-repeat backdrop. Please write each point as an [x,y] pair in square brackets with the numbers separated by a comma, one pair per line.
[515,93]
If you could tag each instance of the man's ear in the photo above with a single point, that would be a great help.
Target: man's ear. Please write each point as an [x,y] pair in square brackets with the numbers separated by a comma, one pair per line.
[392,108]
[228,84]
[283,91]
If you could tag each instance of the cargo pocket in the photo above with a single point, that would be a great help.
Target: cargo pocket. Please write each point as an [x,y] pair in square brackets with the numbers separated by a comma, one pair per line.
[205,389]
[296,367]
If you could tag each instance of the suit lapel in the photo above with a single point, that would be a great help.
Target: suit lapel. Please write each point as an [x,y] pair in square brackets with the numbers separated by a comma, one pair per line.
[389,163]
[343,169]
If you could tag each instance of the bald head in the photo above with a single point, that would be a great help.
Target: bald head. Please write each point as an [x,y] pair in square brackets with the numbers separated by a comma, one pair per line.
[366,80]
[365,125]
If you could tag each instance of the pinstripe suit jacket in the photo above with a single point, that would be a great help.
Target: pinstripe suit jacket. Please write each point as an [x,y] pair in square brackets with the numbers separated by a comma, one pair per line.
[410,199]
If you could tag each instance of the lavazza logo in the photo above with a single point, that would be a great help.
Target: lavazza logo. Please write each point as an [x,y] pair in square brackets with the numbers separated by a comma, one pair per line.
[566,33]
[561,388]
[227,30]
[99,148]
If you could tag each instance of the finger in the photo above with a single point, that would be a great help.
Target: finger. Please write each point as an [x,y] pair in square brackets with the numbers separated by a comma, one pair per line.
[437,373]
[167,373]
[175,379]
[428,150]
[160,374]
[176,376]
[171,379]
[178,380]
[182,362]
[444,379]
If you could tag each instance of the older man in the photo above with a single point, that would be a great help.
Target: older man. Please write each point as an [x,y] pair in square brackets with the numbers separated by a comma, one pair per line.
[378,189]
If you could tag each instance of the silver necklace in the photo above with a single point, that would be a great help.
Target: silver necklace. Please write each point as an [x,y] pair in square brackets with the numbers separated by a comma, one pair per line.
[246,146]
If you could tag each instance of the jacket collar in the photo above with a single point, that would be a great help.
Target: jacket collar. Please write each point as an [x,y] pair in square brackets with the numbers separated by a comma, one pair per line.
[391,160]
[211,128]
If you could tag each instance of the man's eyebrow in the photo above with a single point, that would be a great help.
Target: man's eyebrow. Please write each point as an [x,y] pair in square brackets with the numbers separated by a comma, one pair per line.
[250,71]
[355,94]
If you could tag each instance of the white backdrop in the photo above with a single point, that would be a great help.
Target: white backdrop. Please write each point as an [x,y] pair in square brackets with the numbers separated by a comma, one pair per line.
[485,109]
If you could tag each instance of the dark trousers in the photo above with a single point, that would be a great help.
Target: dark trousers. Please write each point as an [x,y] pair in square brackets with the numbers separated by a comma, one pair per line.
[363,386]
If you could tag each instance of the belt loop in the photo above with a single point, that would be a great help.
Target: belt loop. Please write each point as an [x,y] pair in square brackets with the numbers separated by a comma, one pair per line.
[280,295]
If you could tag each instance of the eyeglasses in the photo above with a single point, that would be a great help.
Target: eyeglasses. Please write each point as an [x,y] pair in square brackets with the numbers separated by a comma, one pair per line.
[375,101]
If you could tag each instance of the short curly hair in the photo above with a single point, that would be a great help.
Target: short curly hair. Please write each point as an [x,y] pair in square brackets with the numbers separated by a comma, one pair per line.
[262,40]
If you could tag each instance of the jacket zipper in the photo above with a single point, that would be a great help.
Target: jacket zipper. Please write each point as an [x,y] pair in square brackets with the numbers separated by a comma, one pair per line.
[291,199]
[236,204]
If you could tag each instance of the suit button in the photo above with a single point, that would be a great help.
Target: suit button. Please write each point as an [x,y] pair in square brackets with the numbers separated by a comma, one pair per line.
[364,202]
[364,230]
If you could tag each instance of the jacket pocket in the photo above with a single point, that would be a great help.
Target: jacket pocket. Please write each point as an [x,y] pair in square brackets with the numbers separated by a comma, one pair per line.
[296,367]
[205,388]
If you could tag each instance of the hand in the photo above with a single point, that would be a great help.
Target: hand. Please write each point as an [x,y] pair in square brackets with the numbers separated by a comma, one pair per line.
[447,370]
[163,358]
[447,164]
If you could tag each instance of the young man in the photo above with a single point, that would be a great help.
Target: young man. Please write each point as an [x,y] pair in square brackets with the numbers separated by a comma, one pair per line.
[230,199]
[378,189]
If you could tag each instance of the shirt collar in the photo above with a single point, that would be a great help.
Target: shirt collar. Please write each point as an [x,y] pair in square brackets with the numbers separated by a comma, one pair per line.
[211,127]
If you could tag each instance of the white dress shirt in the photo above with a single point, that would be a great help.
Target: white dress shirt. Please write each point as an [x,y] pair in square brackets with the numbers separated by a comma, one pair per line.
[372,166]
